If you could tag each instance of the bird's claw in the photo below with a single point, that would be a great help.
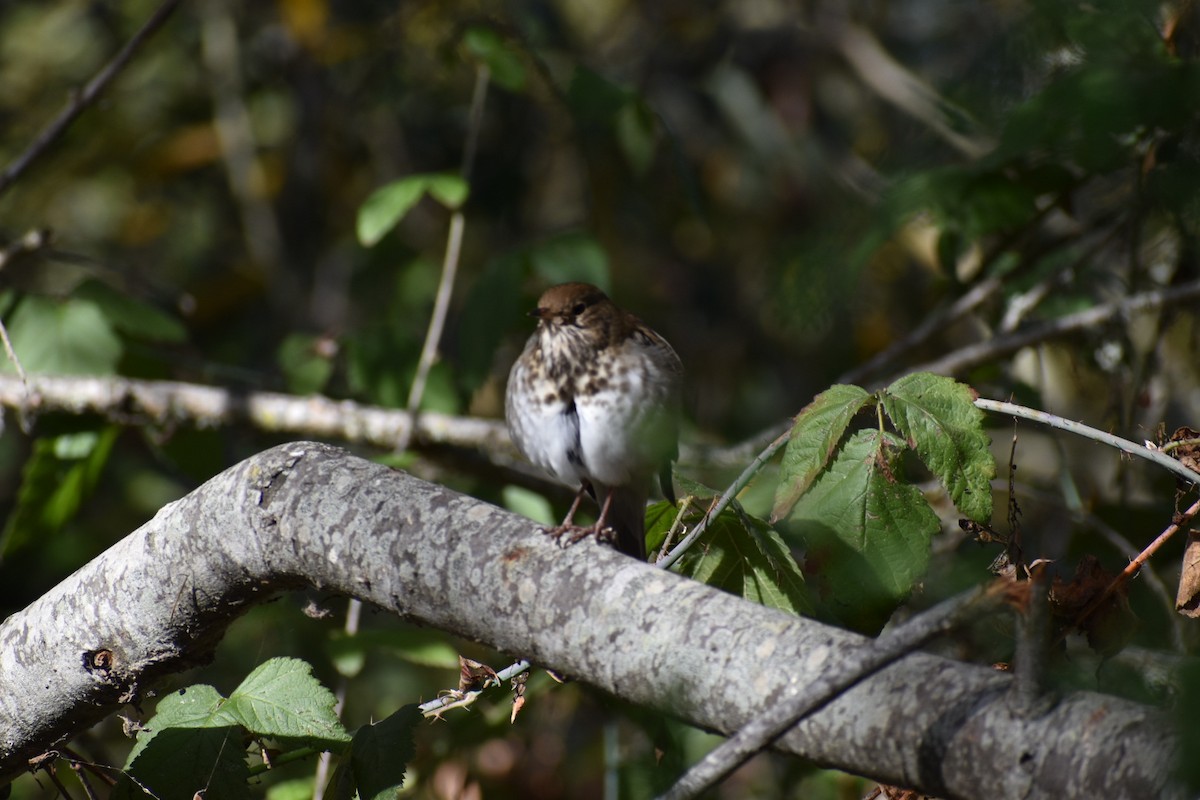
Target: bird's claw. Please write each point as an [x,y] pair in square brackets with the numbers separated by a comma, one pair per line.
[567,535]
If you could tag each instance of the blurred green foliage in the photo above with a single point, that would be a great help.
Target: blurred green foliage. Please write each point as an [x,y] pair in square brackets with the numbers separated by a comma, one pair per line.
[727,171]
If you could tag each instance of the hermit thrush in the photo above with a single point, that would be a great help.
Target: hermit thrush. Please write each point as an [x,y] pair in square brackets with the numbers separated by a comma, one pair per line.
[594,401]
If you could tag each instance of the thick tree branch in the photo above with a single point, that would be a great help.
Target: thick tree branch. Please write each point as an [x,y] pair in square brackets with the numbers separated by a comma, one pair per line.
[311,515]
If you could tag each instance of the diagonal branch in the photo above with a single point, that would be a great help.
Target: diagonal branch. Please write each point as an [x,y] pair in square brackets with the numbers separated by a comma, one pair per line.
[80,100]
[854,668]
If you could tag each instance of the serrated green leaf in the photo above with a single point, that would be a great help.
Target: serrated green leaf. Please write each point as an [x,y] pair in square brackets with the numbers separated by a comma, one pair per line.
[386,206]
[71,337]
[502,61]
[815,435]
[865,531]
[380,754]
[130,315]
[188,746]
[939,417]
[448,188]
[743,556]
[282,699]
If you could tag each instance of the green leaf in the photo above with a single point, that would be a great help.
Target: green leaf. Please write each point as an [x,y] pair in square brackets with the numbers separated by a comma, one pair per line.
[389,204]
[528,503]
[72,337]
[294,789]
[306,368]
[571,257]
[188,746]
[938,416]
[637,134]
[503,62]
[426,648]
[380,753]
[594,98]
[865,531]
[60,474]
[386,206]
[448,188]
[130,315]
[815,435]
[740,555]
[282,699]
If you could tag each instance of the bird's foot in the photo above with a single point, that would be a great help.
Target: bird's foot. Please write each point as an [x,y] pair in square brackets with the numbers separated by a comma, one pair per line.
[568,534]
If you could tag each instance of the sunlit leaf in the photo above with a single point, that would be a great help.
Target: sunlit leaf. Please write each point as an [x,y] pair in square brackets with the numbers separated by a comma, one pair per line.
[865,531]
[740,555]
[527,503]
[815,435]
[71,337]
[387,206]
[503,62]
[449,189]
[188,747]
[938,416]
[282,699]
[131,316]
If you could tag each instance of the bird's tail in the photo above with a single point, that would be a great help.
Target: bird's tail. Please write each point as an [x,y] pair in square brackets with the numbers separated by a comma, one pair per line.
[627,517]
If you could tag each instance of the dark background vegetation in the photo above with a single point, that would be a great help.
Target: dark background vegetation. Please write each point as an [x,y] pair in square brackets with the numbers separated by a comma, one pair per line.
[727,170]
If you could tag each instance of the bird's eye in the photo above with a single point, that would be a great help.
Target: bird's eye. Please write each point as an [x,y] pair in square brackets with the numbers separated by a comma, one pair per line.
[578,309]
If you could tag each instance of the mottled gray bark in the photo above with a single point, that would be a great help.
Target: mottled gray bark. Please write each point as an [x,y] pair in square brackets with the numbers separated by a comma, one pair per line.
[312,515]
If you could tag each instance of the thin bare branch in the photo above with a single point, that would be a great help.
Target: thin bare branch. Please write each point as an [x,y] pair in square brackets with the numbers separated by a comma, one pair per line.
[853,668]
[79,101]
[168,403]
[454,241]
[1088,432]
[982,352]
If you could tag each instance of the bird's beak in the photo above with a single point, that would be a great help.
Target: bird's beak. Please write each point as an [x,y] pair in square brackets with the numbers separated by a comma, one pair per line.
[537,313]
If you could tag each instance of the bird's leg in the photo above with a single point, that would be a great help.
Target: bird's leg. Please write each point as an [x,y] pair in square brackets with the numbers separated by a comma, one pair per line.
[568,524]
[602,530]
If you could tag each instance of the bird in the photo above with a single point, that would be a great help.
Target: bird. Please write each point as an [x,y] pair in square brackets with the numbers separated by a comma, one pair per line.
[594,401]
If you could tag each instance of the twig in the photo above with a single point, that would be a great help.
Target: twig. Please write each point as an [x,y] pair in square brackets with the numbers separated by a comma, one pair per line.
[435,707]
[1088,432]
[62,790]
[895,83]
[1136,564]
[932,323]
[851,669]
[79,101]
[982,352]
[325,760]
[736,487]
[454,240]
[219,49]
